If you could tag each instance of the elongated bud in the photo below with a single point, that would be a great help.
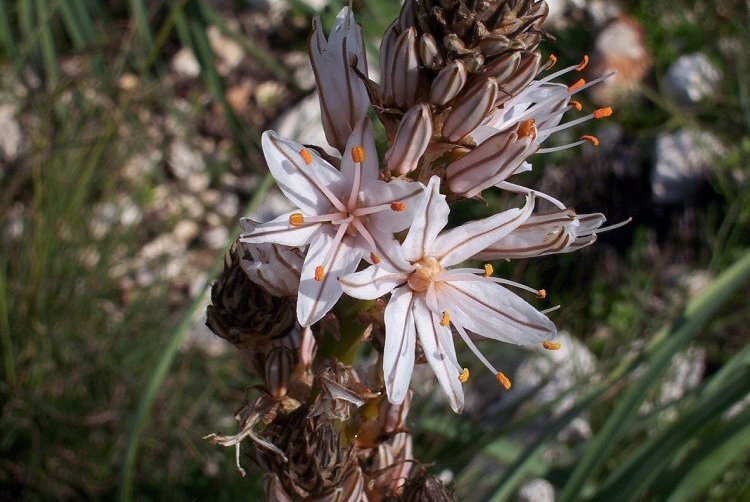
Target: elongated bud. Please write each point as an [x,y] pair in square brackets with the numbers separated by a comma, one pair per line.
[470,110]
[387,51]
[503,67]
[448,83]
[493,161]
[429,52]
[413,136]
[343,95]
[404,68]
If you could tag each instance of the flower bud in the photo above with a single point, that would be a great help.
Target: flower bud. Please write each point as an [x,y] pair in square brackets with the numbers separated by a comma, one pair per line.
[411,140]
[403,70]
[429,52]
[448,83]
[470,110]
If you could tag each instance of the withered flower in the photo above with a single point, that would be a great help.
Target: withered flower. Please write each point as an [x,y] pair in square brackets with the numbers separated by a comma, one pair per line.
[244,313]
[422,487]
[341,391]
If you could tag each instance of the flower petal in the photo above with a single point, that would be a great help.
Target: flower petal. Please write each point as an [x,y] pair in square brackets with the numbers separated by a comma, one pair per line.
[431,217]
[373,282]
[462,242]
[437,345]
[306,185]
[317,297]
[388,253]
[280,231]
[400,339]
[380,192]
[490,310]
[361,136]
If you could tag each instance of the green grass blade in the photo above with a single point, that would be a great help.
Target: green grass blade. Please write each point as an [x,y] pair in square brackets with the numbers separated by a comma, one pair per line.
[164,363]
[6,32]
[142,25]
[47,42]
[728,444]
[696,314]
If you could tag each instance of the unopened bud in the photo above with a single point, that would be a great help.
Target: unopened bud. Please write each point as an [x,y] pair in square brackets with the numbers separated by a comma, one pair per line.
[412,137]
[448,83]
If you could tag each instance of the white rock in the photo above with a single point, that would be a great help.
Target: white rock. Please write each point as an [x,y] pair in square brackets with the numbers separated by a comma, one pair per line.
[303,123]
[537,490]
[216,238]
[692,78]
[681,160]
[11,136]
[185,63]
[186,230]
[229,52]
[186,164]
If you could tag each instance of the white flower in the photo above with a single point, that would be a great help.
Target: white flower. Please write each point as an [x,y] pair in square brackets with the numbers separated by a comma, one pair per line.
[344,215]
[514,132]
[428,297]
[343,95]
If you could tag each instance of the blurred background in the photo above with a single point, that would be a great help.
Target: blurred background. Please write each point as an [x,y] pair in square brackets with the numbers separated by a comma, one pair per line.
[129,147]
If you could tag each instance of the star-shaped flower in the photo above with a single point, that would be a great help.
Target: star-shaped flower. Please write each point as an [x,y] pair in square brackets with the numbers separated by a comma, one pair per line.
[343,214]
[428,296]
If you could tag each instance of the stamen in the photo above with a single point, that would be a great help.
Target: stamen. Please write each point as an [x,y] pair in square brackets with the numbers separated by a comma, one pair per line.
[560,148]
[364,233]
[602,112]
[319,273]
[446,319]
[464,376]
[593,82]
[398,206]
[474,349]
[576,86]
[547,311]
[551,62]
[362,211]
[577,104]
[612,227]
[374,258]
[334,248]
[512,187]
[584,63]
[527,128]
[593,139]
[296,219]
[358,154]
[551,345]
[504,380]
[357,179]
[542,293]
[306,156]
[488,270]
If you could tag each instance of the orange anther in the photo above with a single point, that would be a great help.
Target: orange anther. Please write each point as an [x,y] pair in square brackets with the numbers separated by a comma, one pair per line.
[602,112]
[398,206]
[542,293]
[552,61]
[296,219]
[594,140]
[306,156]
[527,129]
[584,63]
[504,380]
[464,376]
[577,104]
[446,319]
[358,154]
[488,270]
[374,258]
[319,273]
[577,85]
[551,345]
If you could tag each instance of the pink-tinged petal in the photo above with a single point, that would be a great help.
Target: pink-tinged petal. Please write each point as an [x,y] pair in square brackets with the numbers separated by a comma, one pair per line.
[437,345]
[544,234]
[373,282]
[408,193]
[317,297]
[280,231]
[430,218]
[302,174]
[492,311]
[361,137]
[343,95]
[400,340]
[463,242]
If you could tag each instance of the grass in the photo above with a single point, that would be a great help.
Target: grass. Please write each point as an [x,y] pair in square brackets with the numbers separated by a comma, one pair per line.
[100,396]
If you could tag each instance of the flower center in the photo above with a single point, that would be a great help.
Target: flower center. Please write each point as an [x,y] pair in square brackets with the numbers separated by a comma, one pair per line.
[427,270]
